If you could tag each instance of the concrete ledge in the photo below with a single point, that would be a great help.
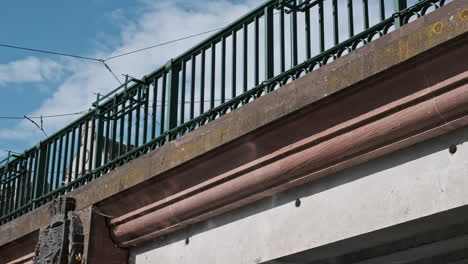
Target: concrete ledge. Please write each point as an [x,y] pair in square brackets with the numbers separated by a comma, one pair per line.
[378,57]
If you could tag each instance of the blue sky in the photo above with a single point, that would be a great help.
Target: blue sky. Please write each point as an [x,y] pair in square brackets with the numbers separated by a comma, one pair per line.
[69,26]
[35,84]
[76,27]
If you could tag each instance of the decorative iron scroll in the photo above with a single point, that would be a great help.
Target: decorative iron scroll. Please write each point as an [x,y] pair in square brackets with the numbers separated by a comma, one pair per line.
[61,242]
[295,5]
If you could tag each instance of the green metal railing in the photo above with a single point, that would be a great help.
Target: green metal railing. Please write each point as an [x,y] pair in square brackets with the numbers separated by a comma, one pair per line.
[272,45]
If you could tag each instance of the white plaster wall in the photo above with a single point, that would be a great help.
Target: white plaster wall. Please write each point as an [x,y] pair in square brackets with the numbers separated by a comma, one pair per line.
[406,185]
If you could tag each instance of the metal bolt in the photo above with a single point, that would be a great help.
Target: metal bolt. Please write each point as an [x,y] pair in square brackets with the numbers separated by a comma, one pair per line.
[298,202]
[452,149]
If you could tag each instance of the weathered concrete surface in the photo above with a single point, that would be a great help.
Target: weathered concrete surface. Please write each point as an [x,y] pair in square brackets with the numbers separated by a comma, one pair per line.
[389,51]
[409,184]
[434,110]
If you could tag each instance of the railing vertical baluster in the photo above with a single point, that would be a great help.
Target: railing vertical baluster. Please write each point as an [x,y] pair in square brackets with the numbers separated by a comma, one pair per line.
[282,41]
[24,188]
[398,6]
[173,70]
[382,10]
[99,138]
[336,25]
[16,186]
[182,92]
[8,192]
[137,118]
[145,112]
[20,183]
[308,45]
[30,173]
[107,140]
[85,148]
[293,32]
[14,178]
[202,81]
[155,107]
[78,151]
[365,13]
[257,52]
[3,175]
[52,167]
[72,149]
[114,144]
[107,136]
[269,43]
[163,104]
[321,27]
[192,86]
[129,126]
[234,66]
[213,75]
[46,169]
[12,189]
[223,70]
[65,157]
[59,163]
[245,58]
[350,18]
[122,129]
[39,176]
[93,139]
[4,198]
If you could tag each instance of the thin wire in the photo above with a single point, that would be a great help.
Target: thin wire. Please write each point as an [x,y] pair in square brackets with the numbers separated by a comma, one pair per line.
[34,122]
[85,111]
[110,70]
[161,44]
[45,116]
[48,52]
[8,150]
[62,54]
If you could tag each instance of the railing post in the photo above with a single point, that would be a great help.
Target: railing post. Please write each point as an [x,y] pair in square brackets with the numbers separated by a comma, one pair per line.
[173,93]
[269,43]
[39,175]
[398,6]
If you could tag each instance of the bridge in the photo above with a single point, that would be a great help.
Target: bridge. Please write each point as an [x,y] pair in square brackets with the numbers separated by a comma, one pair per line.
[321,131]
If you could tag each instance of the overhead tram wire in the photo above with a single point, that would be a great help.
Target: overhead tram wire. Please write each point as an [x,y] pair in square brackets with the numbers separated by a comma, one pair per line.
[103,61]
[48,52]
[161,44]
[37,125]
[44,116]
[63,55]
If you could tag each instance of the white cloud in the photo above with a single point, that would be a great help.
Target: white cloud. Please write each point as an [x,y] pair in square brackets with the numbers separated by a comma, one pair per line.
[30,69]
